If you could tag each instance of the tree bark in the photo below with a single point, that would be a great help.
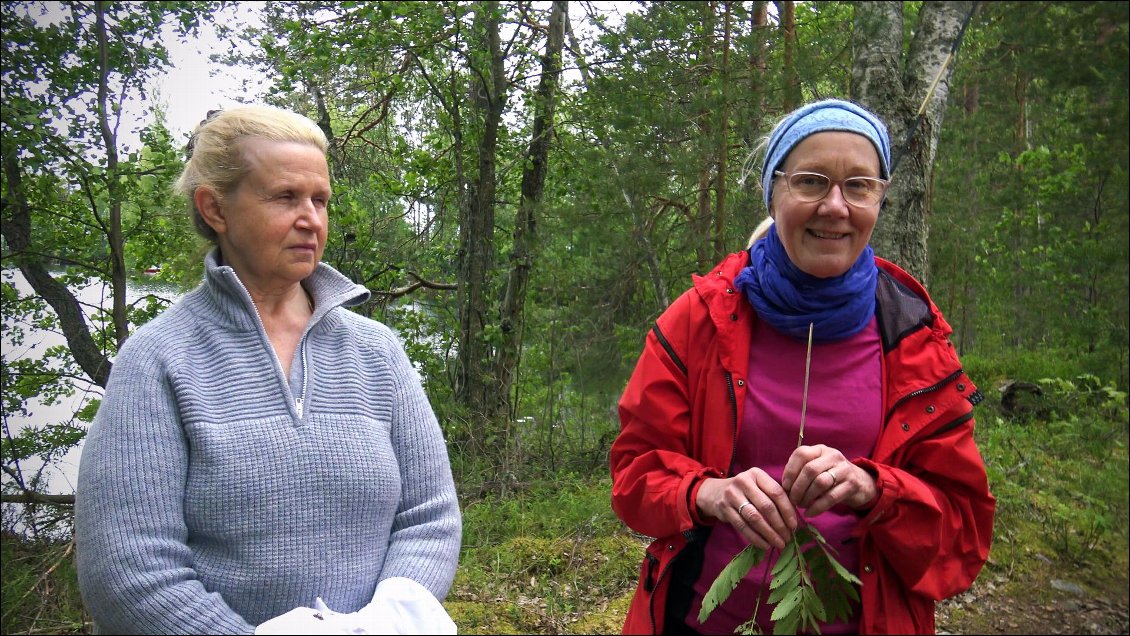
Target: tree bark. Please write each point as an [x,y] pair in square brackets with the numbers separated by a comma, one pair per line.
[721,213]
[476,219]
[16,230]
[910,95]
[525,226]
[755,107]
[118,279]
[791,88]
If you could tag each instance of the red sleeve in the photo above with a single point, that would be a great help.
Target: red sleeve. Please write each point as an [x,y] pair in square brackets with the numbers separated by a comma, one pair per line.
[933,518]
[653,476]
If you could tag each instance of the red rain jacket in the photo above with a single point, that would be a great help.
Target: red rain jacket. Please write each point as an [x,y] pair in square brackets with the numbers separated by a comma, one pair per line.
[928,534]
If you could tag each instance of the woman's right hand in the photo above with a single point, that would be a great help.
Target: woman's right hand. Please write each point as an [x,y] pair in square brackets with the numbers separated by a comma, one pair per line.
[754,503]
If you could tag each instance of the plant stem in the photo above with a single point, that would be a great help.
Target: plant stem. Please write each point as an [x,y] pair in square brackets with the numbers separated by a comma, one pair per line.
[804,400]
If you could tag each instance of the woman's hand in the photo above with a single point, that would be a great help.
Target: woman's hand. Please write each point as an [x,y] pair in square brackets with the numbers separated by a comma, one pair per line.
[754,503]
[819,477]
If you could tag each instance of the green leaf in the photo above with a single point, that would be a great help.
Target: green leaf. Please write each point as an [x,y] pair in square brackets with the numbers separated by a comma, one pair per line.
[813,605]
[783,586]
[789,581]
[728,579]
[786,607]
[787,560]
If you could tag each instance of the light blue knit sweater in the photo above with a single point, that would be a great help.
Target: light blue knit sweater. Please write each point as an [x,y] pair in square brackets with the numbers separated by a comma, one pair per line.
[207,504]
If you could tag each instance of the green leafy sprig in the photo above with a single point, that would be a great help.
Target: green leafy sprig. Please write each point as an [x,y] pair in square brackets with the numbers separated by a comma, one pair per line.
[808,586]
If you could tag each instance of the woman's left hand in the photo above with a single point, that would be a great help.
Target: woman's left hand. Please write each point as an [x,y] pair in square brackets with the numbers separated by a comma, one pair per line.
[819,477]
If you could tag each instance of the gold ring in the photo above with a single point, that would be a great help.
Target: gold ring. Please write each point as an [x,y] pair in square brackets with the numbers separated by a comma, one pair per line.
[829,471]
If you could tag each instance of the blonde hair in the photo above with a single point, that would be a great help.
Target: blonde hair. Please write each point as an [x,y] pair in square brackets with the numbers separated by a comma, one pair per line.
[215,154]
[760,231]
[750,166]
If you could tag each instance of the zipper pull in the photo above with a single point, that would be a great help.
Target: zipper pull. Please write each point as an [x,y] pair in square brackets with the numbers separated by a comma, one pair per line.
[298,406]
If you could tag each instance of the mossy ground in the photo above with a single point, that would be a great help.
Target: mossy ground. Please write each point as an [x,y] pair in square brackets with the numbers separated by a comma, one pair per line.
[550,557]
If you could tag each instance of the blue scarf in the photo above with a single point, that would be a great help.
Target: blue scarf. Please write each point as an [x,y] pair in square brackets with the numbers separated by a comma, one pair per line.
[789,299]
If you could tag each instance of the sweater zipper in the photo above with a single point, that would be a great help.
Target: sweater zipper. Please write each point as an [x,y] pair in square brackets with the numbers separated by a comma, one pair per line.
[301,398]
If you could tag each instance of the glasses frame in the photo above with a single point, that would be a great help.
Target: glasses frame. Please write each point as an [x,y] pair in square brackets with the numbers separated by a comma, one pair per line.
[831,182]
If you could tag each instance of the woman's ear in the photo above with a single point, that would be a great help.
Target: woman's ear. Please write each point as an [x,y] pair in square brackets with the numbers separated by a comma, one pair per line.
[208,204]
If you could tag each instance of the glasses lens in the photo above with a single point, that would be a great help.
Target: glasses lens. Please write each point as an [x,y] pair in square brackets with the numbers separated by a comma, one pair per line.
[863,190]
[809,186]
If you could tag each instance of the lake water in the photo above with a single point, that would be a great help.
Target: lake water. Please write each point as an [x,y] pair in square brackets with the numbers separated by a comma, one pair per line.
[62,475]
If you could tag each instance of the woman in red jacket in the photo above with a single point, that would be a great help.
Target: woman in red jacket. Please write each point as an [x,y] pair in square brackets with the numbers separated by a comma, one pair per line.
[708,458]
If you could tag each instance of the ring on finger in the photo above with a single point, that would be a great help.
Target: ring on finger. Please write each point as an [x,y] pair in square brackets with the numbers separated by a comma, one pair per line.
[833,474]
[742,507]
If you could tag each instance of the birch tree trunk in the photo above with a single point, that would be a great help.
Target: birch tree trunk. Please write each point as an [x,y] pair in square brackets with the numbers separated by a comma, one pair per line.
[910,95]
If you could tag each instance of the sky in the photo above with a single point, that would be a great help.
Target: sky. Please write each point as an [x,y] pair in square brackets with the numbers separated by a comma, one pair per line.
[195,85]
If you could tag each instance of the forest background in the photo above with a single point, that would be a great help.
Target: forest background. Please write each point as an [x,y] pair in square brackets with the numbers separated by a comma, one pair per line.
[525,186]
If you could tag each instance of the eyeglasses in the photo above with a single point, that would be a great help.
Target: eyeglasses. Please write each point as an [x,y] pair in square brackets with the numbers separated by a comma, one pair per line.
[809,187]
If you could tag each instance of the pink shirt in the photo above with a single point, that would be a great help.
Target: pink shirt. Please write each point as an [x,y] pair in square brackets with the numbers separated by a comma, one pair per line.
[844,412]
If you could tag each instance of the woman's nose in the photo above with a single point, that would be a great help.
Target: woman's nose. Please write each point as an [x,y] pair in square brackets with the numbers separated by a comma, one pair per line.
[834,202]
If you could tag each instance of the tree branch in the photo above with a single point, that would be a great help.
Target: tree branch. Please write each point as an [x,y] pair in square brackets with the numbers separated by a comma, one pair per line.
[408,289]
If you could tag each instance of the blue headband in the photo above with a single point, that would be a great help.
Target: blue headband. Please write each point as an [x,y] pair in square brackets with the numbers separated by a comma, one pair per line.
[827,115]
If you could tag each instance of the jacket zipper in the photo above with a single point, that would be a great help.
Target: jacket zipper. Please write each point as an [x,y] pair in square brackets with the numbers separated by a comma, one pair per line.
[913,394]
[734,413]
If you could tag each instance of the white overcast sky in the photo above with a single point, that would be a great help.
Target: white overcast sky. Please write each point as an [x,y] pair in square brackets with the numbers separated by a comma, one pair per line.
[195,84]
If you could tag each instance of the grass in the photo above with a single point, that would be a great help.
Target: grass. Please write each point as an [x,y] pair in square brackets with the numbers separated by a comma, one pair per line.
[40,590]
[551,557]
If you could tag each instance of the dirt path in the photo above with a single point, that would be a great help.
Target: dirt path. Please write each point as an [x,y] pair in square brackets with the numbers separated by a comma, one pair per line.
[1053,606]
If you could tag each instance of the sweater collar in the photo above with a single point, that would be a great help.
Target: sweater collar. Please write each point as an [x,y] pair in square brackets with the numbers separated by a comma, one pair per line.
[328,287]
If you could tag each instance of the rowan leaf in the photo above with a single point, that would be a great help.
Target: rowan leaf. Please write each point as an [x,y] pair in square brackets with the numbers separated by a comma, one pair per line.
[784,587]
[786,606]
[789,581]
[786,560]
[728,579]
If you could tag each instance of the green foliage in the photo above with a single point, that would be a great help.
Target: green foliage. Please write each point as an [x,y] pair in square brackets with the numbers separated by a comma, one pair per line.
[552,552]
[807,587]
[1059,474]
[1030,227]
